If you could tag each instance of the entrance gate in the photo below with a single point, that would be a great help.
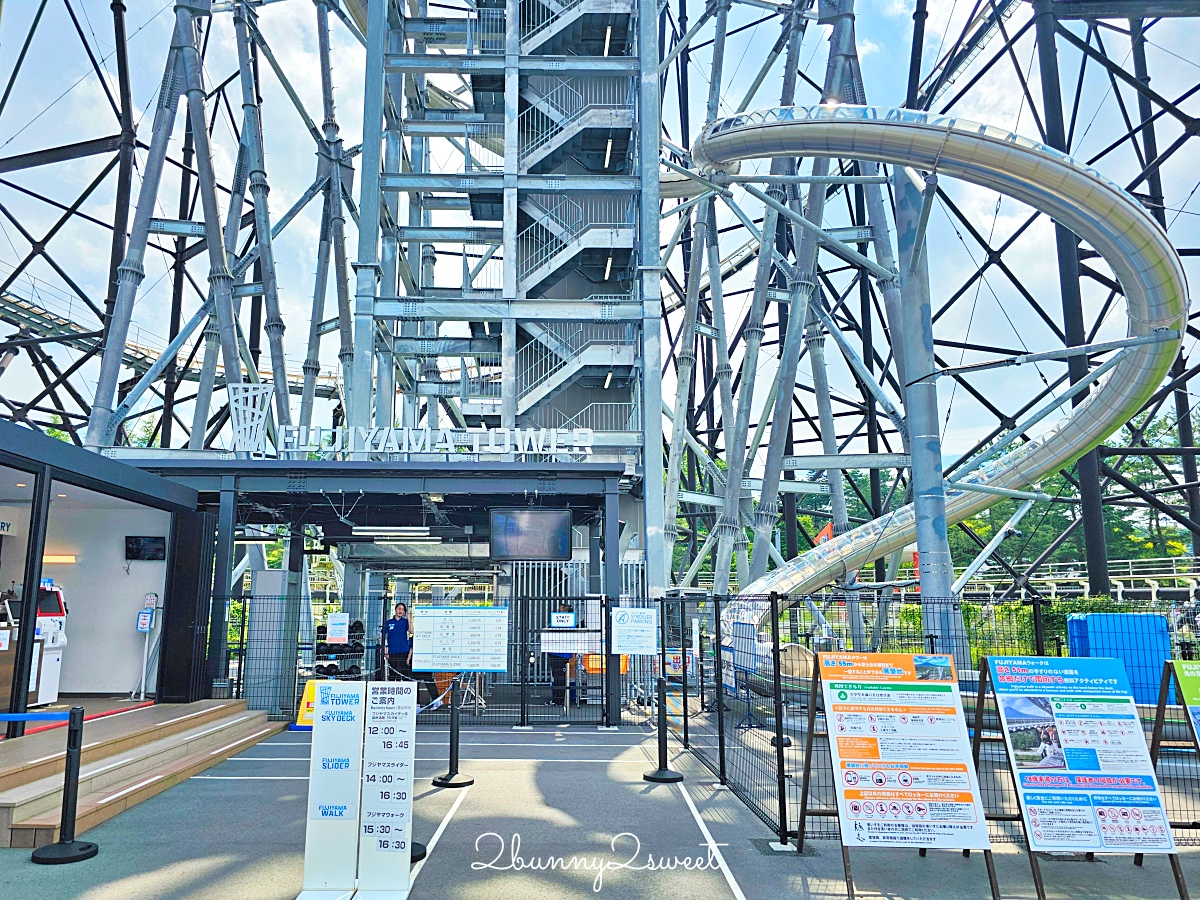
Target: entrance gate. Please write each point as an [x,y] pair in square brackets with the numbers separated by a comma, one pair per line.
[556,673]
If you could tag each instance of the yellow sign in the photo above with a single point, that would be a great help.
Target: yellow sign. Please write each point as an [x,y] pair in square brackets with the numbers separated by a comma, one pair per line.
[304,718]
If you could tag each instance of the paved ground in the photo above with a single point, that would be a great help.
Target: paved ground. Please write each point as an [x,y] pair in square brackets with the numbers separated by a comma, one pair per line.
[238,831]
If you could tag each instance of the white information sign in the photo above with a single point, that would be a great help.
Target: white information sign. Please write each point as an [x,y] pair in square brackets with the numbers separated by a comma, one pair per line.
[335,769]
[338,628]
[460,639]
[635,631]
[570,640]
[901,754]
[385,829]
[562,620]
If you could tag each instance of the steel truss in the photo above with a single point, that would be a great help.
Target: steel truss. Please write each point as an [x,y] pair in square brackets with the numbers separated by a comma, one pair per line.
[836,308]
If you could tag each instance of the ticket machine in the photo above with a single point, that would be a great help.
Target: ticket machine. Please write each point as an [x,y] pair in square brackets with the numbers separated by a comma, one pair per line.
[52,629]
[50,636]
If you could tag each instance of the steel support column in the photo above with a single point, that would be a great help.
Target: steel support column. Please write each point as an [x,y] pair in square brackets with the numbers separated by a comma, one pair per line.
[1067,244]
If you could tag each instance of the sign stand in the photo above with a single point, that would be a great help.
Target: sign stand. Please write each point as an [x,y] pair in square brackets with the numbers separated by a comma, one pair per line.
[335,781]
[1034,865]
[385,847]
[814,696]
[359,828]
[1160,719]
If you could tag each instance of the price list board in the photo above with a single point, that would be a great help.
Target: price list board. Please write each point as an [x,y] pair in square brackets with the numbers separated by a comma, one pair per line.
[385,825]
[460,639]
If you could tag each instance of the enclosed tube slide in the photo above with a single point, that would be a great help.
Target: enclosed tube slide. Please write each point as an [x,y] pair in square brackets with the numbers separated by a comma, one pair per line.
[1101,213]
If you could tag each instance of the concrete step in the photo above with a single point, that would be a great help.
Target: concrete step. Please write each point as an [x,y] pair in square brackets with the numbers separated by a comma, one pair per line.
[41,755]
[101,802]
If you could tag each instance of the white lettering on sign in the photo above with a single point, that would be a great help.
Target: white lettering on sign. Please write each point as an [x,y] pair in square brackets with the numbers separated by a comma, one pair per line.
[494,441]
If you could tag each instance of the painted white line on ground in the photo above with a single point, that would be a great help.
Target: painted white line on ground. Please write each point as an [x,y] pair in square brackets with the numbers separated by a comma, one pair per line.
[712,846]
[438,834]
[129,790]
[235,743]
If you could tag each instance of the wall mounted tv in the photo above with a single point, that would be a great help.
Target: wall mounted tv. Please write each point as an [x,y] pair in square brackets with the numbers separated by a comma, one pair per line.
[530,534]
[145,548]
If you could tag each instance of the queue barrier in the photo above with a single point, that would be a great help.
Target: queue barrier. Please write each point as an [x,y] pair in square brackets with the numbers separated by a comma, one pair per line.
[66,849]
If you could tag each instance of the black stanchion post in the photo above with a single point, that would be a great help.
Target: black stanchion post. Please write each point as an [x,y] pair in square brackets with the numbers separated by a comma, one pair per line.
[453,779]
[663,774]
[67,849]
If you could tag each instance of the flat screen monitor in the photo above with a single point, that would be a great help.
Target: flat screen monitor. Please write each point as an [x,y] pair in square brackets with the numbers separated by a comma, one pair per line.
[530,534]
[146,548]
[50,603]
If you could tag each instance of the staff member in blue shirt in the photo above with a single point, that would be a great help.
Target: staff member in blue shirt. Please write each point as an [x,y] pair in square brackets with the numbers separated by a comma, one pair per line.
[399,652]
[399,644]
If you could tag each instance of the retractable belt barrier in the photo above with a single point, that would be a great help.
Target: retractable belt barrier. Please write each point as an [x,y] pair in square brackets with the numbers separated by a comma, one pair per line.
[66,849]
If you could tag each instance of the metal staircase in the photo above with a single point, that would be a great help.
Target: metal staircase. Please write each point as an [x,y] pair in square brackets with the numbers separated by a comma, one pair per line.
[550,26]
[562,230]
[560,351]
[561,111]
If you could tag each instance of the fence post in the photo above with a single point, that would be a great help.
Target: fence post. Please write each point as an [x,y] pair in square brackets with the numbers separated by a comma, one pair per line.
[67,849]
[778,740]
[720,679]
[526,659]
[1039,627]
[683,658]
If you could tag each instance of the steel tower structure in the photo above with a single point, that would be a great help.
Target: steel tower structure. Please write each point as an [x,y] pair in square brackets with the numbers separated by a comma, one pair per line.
[537,250]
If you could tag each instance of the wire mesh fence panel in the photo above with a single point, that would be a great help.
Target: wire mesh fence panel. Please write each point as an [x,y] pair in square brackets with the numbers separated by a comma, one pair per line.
[765,691]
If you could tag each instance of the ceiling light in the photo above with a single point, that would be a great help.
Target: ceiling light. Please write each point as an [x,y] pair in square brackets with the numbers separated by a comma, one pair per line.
[437,498]
[62,496]
[608,268]
[22,484]
[391,531]
[58,559]
[608,153]
[608,379]
[607,38]
[487,328]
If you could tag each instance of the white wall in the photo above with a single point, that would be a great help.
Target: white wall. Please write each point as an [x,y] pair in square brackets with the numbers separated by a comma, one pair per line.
[104,650]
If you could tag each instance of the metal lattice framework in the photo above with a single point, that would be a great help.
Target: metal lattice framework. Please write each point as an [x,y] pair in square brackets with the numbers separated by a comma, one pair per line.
[502,195]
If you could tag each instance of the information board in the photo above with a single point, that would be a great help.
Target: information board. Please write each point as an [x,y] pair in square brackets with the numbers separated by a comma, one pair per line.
[635,631]
[1187,675]
[331,836]
[460,639]
[385,825]
[901,753]
[1084,777]
[338,628]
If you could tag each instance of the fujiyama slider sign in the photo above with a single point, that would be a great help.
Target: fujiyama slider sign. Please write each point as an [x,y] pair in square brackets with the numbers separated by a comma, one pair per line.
[478,441]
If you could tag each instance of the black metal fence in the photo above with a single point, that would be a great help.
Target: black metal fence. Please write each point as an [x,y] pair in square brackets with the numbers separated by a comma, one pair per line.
[751,660]
[554,674]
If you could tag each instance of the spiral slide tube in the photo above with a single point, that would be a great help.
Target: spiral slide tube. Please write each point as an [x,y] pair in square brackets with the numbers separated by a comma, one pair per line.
[1110,220]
